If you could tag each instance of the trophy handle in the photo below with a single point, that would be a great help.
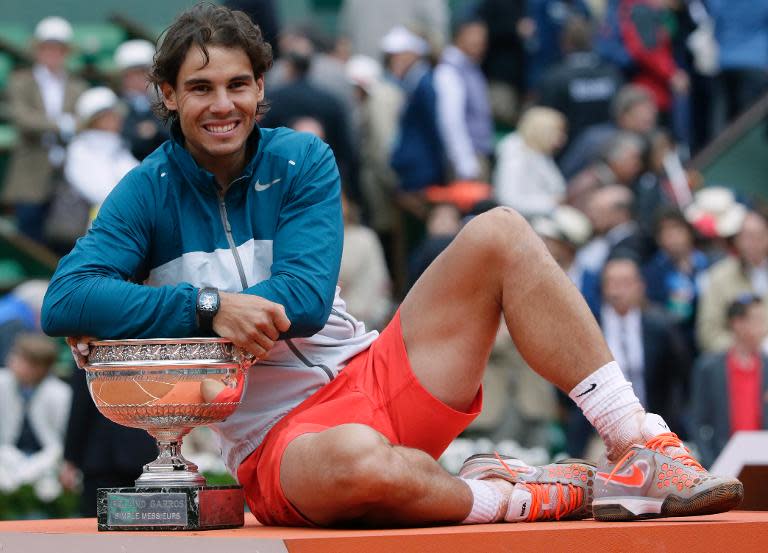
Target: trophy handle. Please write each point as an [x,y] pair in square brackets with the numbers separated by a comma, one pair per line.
[245,358]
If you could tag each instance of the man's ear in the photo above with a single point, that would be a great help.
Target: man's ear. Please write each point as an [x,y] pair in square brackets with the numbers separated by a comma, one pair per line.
[260,85]
[169,97]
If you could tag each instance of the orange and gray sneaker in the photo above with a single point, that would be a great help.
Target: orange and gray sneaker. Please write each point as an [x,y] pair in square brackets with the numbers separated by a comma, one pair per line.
[559,491]
[661,479]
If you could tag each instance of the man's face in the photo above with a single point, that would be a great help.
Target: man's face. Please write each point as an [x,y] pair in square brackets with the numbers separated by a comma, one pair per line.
[627,165]
[400,63]
[750,329]
[134,80]
[473,41]
[52,54]
[675,239]
[640,118]
[752,241]
[26,373]
[216,103]
[623,287]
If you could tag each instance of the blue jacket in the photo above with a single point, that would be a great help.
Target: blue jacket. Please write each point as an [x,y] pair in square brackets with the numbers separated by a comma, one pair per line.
[418,156]
[164,225]
[277,234]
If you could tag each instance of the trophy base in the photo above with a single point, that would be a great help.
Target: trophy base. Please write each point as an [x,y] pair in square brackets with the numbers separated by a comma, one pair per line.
[170,508]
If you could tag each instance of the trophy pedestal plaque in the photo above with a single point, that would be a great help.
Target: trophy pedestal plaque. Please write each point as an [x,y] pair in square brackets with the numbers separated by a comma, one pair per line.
[170,508]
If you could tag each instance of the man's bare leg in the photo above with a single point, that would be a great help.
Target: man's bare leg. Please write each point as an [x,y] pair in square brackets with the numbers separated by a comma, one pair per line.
[497,265]
[363,479]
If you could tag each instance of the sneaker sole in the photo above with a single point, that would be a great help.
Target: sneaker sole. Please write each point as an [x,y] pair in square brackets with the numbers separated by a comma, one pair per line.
[714,500]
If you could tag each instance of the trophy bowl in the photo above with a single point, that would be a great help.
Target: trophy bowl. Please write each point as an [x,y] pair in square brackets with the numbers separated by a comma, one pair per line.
[167,387]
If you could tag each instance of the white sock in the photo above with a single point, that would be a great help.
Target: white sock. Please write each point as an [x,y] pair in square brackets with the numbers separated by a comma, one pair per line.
[486,502]
[519,504]
[607,400]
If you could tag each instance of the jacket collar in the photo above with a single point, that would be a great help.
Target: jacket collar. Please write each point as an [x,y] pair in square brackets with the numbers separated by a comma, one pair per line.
[202,178]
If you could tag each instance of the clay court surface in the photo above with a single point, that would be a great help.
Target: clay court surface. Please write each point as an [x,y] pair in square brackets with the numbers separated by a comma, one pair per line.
[738,531]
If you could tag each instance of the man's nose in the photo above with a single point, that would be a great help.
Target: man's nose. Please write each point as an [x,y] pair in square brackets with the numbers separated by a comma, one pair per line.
[222,103]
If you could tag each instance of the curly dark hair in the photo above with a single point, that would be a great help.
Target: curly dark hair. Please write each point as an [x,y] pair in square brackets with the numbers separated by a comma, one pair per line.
[205,25]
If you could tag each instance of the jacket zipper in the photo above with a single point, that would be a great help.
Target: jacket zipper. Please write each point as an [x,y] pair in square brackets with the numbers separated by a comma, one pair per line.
[231,240]
[244,282]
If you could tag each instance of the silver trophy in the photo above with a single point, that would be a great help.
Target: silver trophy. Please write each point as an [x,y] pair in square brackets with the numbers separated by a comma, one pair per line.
[167,387]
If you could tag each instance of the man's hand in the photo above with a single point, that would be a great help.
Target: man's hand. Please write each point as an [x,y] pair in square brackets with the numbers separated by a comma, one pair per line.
[79,347]
[250,322]
[70,476]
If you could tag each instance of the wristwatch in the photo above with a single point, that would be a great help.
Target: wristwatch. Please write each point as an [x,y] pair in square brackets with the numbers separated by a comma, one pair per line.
[206,308]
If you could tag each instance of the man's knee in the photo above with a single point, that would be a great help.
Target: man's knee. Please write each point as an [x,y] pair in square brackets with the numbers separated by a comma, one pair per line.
[359,460]
[504,234]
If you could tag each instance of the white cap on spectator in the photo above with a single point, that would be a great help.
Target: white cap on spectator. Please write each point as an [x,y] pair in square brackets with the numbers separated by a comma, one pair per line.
[94,101]
[566,224]
[53,29]
[134,53]
[716,213]
[399,40]
[363,71]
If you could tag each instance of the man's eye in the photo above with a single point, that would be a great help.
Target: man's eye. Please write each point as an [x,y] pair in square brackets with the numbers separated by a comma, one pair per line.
[200,88]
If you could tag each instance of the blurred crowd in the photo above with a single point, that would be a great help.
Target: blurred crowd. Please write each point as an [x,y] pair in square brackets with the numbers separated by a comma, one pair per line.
[581,115]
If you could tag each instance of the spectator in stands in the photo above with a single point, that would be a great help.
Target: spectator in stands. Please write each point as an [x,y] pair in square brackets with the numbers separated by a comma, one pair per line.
[300,97]
[366,22]
[98,157]
[379,102]
[99,453]
[654,356]
[643,340]
[141,128]
[633,110]
[730,388]
[41,106]
[327,66]
[526,176]
[509,28]
[19,313]
[741,31]
[621,162]
[673,275]
[610,211]
[581,86]
[418,155]
[665,182]
[649,45]
[364,277]
[745,271]
[33,415]
[463,107]
[545,47]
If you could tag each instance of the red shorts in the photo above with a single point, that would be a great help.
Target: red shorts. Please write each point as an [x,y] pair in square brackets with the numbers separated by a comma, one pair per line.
[378,389]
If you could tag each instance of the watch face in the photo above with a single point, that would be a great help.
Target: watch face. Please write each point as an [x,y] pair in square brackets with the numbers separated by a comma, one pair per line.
[207,301]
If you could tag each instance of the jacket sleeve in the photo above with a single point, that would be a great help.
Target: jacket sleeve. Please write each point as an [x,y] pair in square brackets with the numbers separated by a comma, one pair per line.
[27,119]
[91,293]
[307,245]
[645,40]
